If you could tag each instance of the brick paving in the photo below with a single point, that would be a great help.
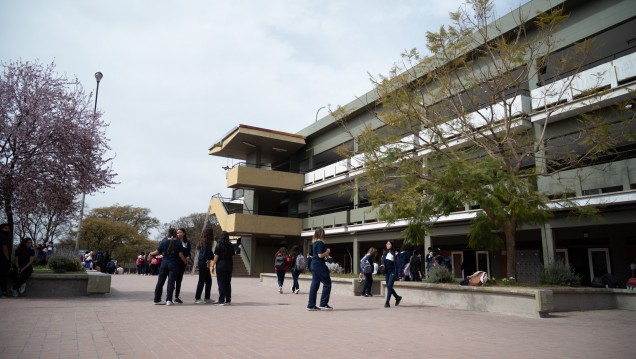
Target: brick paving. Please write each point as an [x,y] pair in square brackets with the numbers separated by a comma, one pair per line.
[261,323]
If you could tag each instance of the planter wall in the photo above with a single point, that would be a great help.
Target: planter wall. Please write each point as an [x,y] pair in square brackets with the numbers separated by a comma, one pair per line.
[50,285]
[528,302]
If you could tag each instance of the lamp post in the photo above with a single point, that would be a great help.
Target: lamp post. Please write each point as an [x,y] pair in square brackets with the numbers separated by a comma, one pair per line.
[98,78]
[316,120]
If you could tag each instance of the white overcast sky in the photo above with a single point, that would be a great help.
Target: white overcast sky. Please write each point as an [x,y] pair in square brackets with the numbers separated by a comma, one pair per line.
[178,75]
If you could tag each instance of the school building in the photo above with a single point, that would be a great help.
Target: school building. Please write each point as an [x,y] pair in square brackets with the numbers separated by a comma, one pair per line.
[288,184]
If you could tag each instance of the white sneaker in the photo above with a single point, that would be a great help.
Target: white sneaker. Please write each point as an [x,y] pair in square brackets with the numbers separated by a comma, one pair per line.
[159,303]
[22,288]
[280,290]
[169,302]
[198,301]
[297,291]
[208,301]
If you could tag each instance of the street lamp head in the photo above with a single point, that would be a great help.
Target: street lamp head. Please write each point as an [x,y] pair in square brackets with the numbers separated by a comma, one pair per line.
[98,76]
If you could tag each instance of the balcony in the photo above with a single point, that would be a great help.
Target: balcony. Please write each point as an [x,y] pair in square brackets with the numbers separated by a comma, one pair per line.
[610,75]
[235,220]
[253,177]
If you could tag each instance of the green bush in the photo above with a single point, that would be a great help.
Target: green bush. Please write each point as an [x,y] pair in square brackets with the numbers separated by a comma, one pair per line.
[64,262]
[558,273]
[439,274]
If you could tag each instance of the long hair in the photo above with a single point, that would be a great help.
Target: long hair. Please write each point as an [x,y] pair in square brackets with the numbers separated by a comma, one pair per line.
[22,248]
[185,234]
[295,251]
[319,234]
[225,246]
[373,252]
[171,234]
[392,250]
[207,237]
[283,251]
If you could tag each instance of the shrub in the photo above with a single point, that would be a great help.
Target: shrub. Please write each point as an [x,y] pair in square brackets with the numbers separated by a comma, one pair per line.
[509,282]
[559,273]
[439,274]
[63,262]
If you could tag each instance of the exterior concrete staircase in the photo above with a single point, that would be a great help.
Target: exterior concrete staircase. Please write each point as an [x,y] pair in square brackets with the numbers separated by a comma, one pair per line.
[239,267]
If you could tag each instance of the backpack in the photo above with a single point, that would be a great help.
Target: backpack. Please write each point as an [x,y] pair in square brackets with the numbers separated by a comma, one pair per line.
[407,270]
[365,265]
[99,256]
[301,262]
[280,262]
[140,261]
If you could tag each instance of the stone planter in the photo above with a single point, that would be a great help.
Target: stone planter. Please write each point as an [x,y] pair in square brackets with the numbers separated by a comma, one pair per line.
[49,285]
[521,301]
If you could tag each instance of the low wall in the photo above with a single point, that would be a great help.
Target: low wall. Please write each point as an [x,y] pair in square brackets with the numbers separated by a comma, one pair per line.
[340,286]
[49,285]
[576,299]
[528,302]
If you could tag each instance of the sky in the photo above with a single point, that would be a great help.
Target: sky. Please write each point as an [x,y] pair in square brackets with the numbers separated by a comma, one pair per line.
[178,75]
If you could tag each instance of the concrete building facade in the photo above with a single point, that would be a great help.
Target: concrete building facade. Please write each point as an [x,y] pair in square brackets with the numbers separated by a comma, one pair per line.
[286,185]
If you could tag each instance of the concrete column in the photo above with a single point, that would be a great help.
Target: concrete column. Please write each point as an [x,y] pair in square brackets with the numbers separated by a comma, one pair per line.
[427,243]
[356,255]
[547,241]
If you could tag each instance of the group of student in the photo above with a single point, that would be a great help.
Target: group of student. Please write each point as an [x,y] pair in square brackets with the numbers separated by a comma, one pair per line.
[176,254]
[316,263]
[22,266]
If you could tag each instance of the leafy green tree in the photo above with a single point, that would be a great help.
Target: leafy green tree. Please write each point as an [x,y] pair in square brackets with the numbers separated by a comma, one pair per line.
[121,230]
[451,130]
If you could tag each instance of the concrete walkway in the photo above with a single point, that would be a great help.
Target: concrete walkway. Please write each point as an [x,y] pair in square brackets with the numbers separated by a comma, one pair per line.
[261,323]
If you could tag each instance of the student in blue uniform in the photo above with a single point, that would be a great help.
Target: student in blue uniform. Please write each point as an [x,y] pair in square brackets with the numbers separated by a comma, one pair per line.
[172,254]
[223,262]
[203,263]
[187,253]
[319,273]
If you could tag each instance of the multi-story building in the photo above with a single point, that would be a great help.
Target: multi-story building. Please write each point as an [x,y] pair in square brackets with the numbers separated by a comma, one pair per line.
[289,184]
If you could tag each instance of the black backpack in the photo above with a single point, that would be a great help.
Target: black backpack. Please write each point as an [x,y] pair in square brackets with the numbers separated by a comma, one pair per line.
[279,262]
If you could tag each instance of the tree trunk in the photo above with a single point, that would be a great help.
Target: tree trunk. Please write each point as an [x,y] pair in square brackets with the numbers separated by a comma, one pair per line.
[511,251]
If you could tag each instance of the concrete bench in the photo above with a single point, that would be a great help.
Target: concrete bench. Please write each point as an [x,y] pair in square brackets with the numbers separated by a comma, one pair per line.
[48,285]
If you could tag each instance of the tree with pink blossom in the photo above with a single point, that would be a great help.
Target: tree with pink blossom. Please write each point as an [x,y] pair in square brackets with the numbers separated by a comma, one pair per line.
[53,145]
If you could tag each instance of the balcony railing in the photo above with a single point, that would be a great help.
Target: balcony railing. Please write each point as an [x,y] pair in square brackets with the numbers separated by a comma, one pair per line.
[610,74]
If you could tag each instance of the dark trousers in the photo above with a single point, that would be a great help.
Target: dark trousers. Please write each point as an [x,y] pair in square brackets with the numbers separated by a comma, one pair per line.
[19,279]
[295,275]
[5,265]
[140,269]
[368,283]
[319,274]
[224,280]
[179,278]
[168,270]
[205,280]
[390,279]
[280,275]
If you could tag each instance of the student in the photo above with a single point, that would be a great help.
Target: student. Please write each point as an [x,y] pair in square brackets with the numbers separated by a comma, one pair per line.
[203,264]
[223,263]
[319,273]
[5,257]
[187,253]
[140,262]
[390,274]
[282,263]
[24,259]
[298,265]
[168,269]
[368,275]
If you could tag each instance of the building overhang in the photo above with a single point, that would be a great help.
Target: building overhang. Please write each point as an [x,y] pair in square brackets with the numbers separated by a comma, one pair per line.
[244,139]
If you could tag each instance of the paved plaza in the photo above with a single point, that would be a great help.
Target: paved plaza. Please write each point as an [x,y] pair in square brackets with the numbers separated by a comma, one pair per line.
[261,323]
